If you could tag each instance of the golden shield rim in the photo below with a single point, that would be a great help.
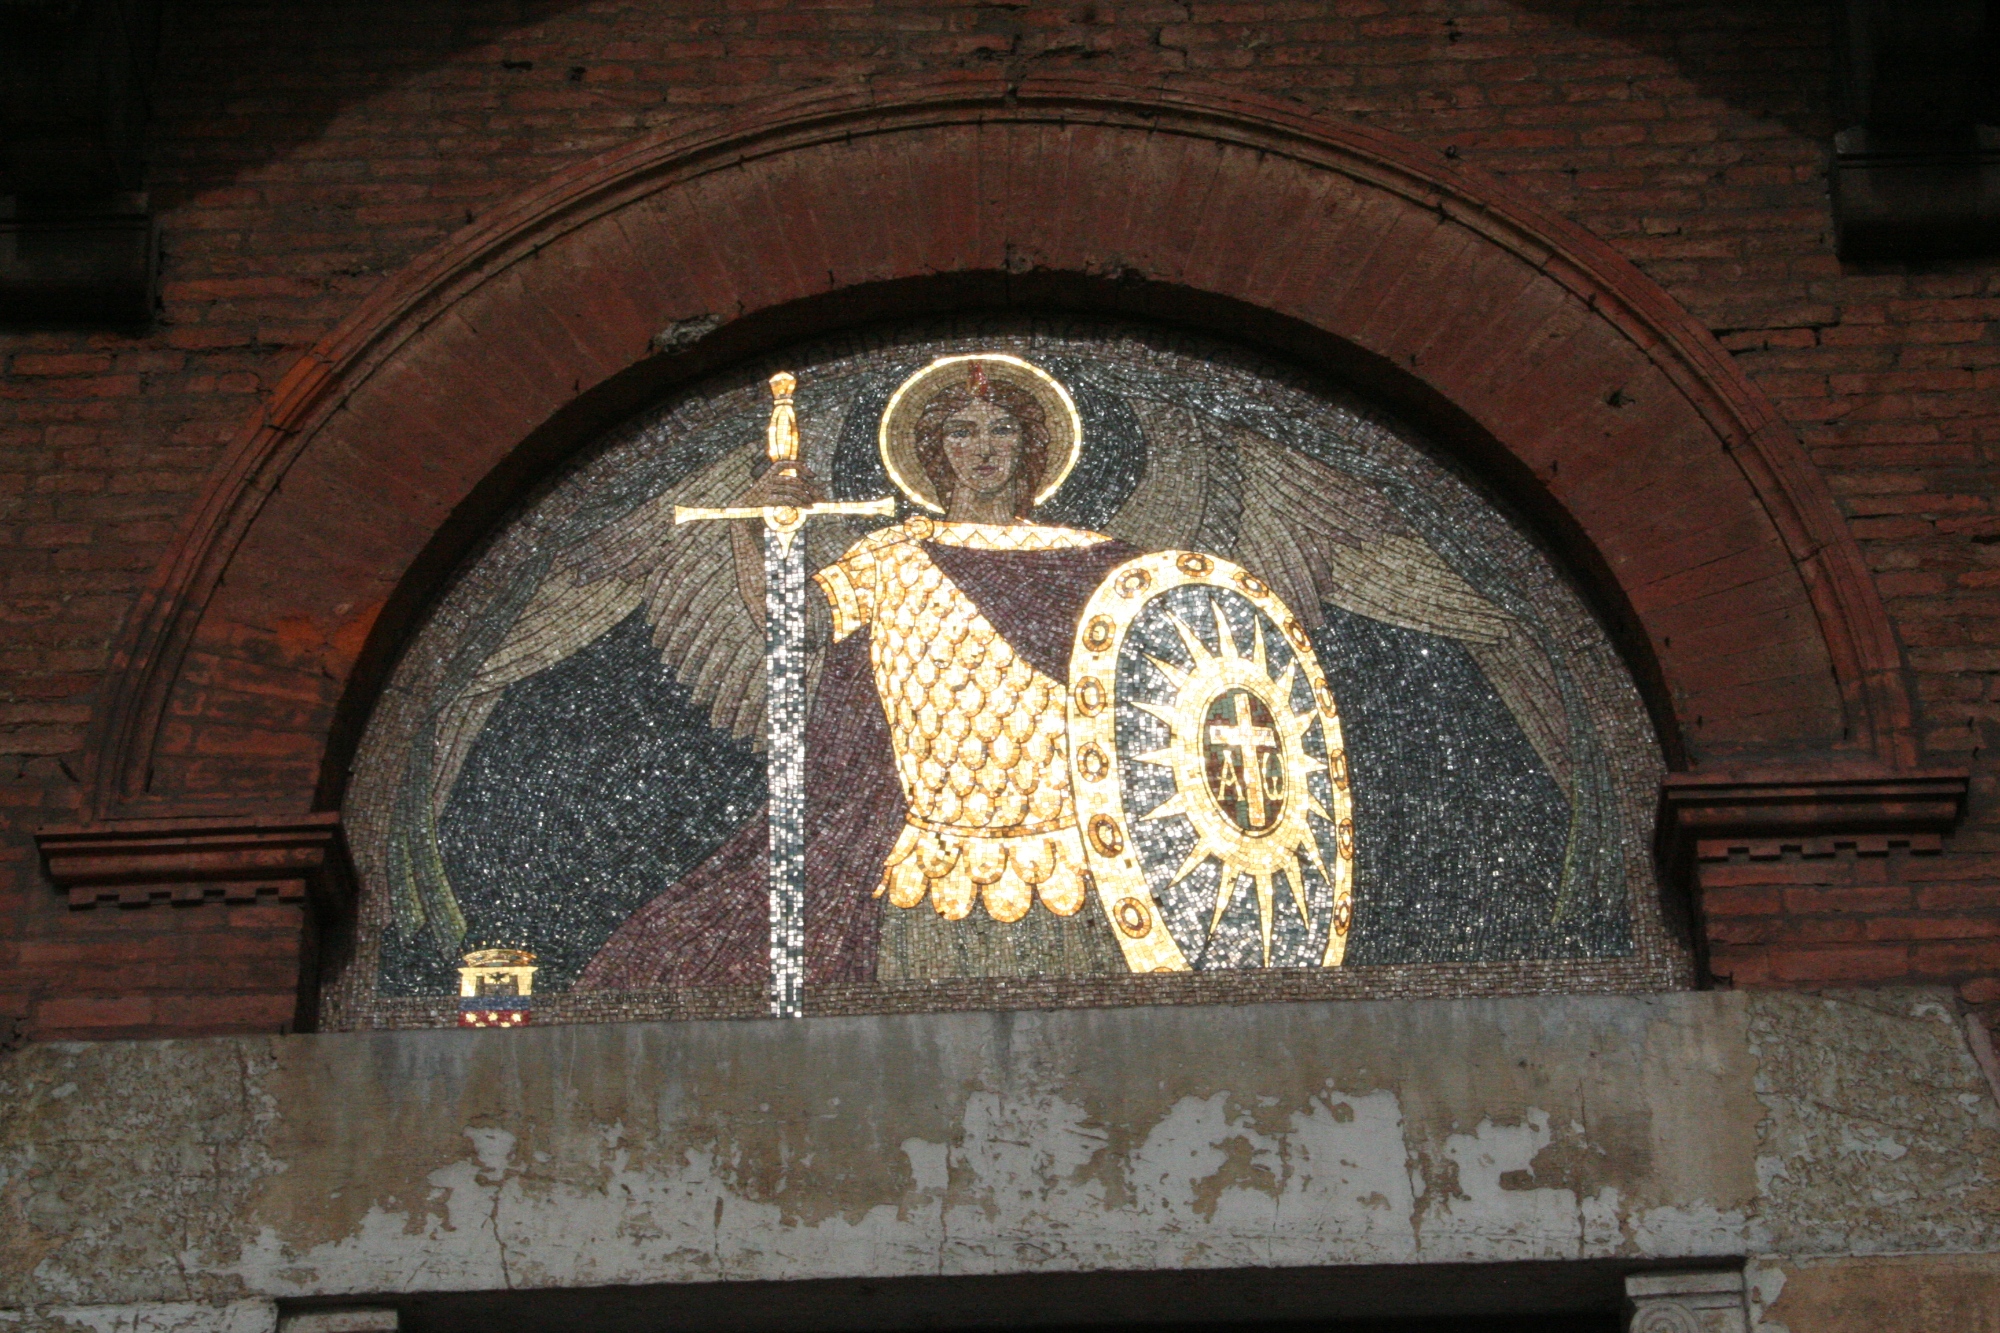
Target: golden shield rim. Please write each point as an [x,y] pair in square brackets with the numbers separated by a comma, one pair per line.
[1097,777]
[896,438]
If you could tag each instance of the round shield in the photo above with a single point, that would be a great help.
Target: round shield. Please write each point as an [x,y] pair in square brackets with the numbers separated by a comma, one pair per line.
[1210,777]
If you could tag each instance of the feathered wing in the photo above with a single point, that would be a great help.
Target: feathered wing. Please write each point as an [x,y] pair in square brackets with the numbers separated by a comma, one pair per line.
[683,579]
[1165,510]
[1318,534]
[682,576]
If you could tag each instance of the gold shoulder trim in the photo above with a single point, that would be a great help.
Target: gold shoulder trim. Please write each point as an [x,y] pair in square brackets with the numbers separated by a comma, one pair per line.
[896,534]
[1011,536]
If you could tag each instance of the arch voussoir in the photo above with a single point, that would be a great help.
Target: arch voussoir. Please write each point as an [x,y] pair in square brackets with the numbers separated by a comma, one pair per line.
[1689,492]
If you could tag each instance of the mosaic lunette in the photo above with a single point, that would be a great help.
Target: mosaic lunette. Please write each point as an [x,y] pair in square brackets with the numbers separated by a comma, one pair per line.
[571,740]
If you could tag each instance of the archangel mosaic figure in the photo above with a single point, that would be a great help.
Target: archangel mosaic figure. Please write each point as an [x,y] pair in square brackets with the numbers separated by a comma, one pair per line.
[985,659]
[1174,663]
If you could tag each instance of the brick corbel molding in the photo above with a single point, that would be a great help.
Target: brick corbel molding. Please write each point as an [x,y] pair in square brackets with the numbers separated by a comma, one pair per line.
[1770,814]
[194,927]
[152,863]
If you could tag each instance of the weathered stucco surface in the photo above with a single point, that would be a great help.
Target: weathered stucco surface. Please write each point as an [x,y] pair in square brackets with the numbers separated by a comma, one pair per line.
[1879,1140]
[1679,1126]
[1944,1293]
[1881,1131]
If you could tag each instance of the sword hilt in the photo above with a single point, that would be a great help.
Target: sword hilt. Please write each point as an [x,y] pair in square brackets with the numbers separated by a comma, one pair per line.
[781,445]
[781,437]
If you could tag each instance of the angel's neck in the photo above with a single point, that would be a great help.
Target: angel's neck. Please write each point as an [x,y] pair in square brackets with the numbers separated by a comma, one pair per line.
[990,509]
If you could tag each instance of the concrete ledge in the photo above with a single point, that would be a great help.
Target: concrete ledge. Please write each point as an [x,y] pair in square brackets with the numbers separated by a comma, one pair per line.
[253,1316]
[1616,1129]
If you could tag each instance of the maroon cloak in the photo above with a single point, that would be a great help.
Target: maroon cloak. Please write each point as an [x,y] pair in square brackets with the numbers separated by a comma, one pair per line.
[712,928]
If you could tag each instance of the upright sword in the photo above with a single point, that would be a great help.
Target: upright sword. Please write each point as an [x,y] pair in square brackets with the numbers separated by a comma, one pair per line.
[785,685]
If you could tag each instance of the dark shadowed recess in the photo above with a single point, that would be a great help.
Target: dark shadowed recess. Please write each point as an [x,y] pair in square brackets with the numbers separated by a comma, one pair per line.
[242,84]
[1543,1297]
[1767,59]
[229,67]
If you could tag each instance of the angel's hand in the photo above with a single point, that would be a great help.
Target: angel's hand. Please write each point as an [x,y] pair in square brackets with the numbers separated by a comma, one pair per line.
[783,484]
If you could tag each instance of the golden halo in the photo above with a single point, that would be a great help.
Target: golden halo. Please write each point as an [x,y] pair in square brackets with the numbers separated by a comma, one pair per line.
[898,438]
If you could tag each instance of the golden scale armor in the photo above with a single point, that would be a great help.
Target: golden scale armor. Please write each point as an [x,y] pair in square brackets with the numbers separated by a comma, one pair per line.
[979,735]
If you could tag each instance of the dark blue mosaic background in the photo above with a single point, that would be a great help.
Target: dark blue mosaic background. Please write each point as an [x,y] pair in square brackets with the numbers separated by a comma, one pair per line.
[1459,830]
[593,784]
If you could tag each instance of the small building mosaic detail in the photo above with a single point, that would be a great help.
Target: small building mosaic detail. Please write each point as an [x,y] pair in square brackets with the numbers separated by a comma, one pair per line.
[999,664]
[496,988]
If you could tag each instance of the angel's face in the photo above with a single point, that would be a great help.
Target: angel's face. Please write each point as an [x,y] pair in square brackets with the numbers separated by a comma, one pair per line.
[983,444]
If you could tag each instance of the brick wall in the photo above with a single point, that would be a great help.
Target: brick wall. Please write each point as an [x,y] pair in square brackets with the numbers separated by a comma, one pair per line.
[216,967]
[1845,915]
[302,153]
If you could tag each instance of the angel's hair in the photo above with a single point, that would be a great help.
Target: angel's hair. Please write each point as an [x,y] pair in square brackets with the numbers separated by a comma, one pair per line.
[1029,466]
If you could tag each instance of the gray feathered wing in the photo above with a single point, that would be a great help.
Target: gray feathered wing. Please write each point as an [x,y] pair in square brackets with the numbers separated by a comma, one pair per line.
[1318,534]
[684,579]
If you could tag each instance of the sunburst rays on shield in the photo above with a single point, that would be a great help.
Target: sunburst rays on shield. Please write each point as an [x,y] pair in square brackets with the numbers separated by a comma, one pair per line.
[1234,739]
[1234,735]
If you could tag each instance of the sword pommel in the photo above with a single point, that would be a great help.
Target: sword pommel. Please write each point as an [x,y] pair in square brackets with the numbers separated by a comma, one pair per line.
[781,441]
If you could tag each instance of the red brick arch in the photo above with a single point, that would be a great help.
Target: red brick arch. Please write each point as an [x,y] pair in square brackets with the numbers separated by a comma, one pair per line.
[262,633]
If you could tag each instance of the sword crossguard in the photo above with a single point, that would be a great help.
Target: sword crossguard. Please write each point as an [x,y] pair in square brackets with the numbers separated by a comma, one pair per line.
[786,518]
[781,446]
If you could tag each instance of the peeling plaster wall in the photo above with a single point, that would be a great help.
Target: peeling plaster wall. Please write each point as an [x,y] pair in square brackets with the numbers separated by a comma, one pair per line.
[1880,1131]
[1683,1126]
[1877,1168]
